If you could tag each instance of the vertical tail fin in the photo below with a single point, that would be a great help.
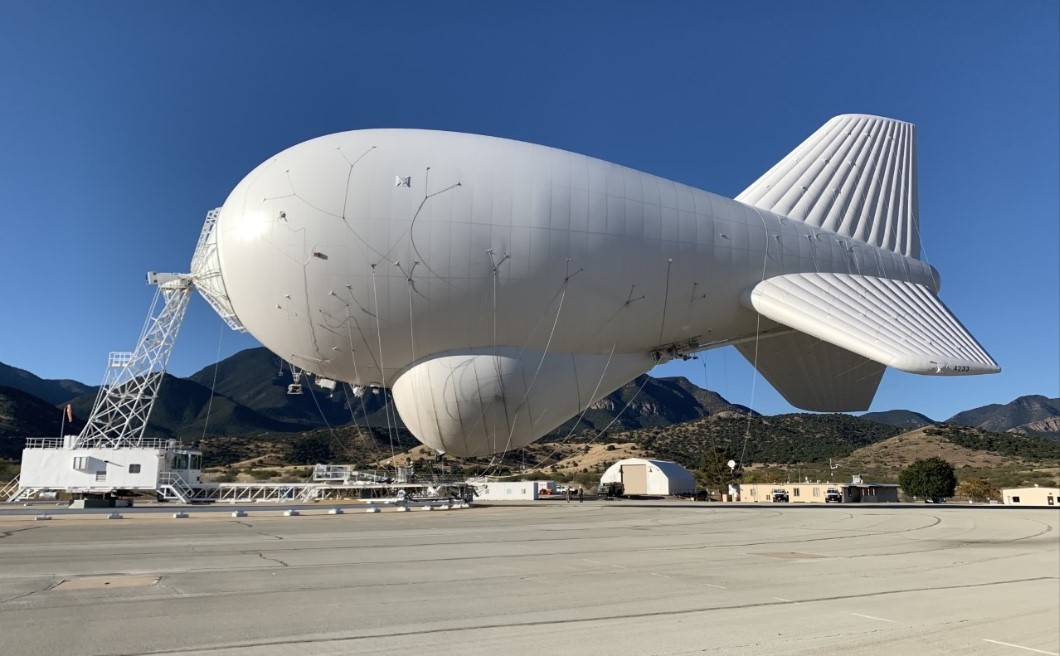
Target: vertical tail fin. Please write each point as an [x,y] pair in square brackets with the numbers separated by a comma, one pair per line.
[855,176]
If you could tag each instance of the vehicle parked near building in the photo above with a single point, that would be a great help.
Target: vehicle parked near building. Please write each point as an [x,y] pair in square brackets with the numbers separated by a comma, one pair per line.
[832,495]
[779,495]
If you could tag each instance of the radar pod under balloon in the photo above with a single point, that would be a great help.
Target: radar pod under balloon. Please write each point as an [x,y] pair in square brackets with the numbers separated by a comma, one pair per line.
[500,288]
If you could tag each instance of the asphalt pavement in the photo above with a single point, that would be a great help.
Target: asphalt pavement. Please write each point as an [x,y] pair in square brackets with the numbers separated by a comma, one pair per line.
[550,578]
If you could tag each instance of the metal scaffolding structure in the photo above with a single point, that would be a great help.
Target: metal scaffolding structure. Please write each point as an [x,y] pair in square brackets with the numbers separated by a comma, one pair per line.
[130,385]
[206,273]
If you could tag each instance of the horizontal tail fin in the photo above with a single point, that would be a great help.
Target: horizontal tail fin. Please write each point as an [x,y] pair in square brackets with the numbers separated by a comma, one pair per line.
[896,323]
[855,176]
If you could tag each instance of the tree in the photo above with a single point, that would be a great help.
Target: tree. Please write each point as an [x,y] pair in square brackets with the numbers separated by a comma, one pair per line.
[977,489]
[714,470]
[930,478]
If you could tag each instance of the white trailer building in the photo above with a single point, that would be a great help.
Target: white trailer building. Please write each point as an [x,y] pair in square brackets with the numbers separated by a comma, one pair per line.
[157,465]
[641,476]
[512,490]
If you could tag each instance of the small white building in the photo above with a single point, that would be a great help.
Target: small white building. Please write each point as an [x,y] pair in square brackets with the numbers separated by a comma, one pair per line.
[1031,496]
[513,490]
[641,476]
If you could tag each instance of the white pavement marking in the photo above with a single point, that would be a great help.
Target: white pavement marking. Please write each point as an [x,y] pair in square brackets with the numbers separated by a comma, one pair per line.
[719,587]
[870,617]
[783,599]
[1009,644]
[661,576]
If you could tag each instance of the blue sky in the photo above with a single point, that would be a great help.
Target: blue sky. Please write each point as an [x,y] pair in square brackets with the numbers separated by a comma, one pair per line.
[122,123]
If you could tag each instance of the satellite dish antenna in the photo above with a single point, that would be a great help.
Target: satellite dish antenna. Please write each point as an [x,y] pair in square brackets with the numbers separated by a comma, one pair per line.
[732,465]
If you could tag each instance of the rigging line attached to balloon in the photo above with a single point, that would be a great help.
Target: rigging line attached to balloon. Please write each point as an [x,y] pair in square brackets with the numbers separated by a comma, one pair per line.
[346,388]
[382,371]
[213,385]
[758,335]
[251,182]
[305,290]
[567,277]
[412,325]
[693,298]
[295,193]
[360,331]
[494,268]
[526,393]
[364,409]
[349,176]
[630,300]
[412,225]
[334,438]
[345,200]
[604,324]
[482,410]
[588,404]
[666,298]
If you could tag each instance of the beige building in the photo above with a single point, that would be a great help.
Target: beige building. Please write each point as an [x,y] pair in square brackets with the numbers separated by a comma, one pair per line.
[1031,496]
[856,491]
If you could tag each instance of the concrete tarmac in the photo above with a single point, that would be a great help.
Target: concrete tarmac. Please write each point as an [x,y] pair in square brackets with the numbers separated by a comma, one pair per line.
[608,578]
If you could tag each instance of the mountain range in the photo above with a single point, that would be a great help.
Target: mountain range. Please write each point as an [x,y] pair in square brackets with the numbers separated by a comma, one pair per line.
[246,395]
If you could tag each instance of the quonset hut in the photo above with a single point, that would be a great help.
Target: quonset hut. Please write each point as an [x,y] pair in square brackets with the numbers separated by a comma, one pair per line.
[649,477]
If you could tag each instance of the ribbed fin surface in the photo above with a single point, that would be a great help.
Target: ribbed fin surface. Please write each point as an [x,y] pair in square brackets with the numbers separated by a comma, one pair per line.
[893,322]
[855,176]
[814,375]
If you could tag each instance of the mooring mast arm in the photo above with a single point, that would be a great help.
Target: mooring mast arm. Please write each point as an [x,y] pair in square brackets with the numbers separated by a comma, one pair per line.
[130,385]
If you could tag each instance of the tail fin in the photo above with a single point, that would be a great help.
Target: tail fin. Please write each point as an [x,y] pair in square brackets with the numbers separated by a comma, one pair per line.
[814,375]
[848,328]
[855,176]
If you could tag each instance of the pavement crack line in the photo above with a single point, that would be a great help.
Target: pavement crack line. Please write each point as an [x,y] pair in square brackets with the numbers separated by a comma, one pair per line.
[7,534]
[27,594]
[271,560]
[568,621]
[21,596]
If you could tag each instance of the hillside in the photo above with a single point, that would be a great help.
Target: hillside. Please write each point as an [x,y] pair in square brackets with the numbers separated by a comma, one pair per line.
[883,460]
[1047,428]
[257,379]
[792,438]
[1014,415]
[181,411]
[906,419]
[51,391]
[24,415]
